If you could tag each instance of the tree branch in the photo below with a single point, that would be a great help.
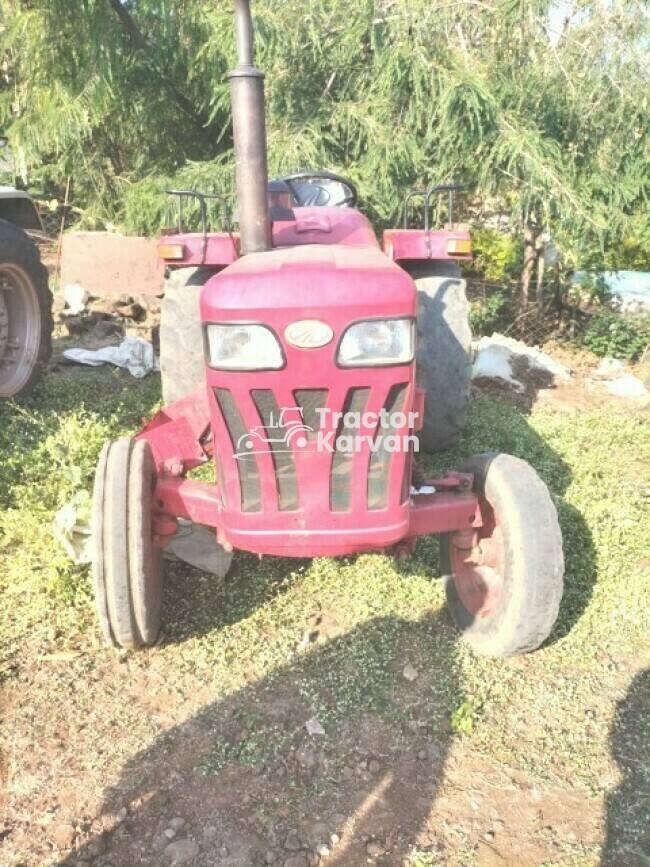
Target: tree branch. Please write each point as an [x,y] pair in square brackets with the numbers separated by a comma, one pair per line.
[140,42]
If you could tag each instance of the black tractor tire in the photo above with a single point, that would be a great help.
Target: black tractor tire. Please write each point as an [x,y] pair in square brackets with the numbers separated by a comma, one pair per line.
[127,566]
[520,617]
[182,361]
[444,362]
[25,313]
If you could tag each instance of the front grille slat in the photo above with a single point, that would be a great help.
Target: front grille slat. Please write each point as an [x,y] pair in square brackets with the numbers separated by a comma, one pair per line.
[311,400]
[280,442]
[343,462]
[380,461]
[247,469]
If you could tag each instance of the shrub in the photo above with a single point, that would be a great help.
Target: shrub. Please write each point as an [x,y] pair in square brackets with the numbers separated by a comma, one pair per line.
[617,336]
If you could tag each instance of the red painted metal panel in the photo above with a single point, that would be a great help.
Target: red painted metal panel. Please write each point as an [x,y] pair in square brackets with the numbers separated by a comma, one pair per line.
[443,512]
[412,244]
[217,250]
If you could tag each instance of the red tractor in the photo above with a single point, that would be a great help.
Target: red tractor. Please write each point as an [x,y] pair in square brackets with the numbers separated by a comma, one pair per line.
[304,318]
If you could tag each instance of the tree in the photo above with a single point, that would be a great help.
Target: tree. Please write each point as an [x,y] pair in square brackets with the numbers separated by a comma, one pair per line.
[548,126]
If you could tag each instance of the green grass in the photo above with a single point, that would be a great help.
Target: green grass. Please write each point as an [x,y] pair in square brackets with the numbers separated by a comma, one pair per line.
[251,640]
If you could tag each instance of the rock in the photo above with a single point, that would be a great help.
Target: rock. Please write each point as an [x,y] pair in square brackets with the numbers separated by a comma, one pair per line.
[121,815]
[270,857]
[334,839]
[409,673]
[313,859]
[170,833]
[314,727]
[210,834]
[322,850]
[63,835]
[297,861]
[374,766]
[181,851]
[375,849]
[423,755]
[131,311]
[292,842]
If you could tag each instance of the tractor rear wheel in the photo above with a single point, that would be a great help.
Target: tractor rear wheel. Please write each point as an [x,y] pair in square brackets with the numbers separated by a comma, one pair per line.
[181,337]
[444,364]
[127,567]
[25,313]
[504,582]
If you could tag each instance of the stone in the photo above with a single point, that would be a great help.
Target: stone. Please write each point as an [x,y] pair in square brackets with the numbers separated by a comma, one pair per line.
[292,842]
[121,815]
[181,851]
[270,857]
[410,673]
[334,839]
[313,859]
[322,850]
[374,766]
[375,849]
[170,833]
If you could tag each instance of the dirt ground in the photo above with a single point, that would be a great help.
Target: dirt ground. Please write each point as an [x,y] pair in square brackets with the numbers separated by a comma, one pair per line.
[118,760]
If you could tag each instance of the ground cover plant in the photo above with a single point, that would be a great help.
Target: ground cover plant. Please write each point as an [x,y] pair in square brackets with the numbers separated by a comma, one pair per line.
[429,755]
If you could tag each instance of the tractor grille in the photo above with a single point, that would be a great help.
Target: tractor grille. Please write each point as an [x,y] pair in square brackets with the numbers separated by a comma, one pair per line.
[266,451]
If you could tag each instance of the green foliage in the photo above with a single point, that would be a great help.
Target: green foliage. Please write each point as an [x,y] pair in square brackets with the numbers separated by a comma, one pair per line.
[463,718]
[616,336]
[497,255]
[485,314]
[127,98]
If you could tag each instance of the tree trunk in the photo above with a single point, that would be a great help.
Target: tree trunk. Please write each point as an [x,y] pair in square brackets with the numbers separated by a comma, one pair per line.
[533,246]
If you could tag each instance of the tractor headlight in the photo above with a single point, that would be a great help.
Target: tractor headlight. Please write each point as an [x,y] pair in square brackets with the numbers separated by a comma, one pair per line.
[378,342]
[243,347]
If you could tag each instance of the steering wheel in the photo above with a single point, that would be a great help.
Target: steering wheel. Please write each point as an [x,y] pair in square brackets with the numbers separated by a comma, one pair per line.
[350,196]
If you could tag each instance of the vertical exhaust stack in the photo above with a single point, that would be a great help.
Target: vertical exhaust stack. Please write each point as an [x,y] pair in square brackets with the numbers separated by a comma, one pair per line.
[249,127]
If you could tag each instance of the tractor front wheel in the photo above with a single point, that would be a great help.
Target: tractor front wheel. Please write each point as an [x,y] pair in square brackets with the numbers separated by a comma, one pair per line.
[127,567]
[504,581]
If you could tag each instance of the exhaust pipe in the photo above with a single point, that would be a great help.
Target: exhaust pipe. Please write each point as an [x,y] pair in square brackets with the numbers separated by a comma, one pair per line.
[249,127]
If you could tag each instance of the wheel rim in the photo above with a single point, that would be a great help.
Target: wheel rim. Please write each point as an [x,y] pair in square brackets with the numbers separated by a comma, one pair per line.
[20,329]
[478,564]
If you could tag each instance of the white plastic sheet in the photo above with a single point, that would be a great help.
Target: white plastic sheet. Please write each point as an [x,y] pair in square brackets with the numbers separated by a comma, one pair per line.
[134,354]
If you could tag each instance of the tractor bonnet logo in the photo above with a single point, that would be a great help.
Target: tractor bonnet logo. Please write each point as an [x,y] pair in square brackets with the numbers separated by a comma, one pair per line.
[348,432]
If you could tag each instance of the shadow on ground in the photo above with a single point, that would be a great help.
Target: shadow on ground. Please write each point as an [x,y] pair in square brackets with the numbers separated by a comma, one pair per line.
[628,808]
[256,787]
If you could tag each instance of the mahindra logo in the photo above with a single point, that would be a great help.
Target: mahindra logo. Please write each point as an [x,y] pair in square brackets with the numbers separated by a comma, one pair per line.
[309,334]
